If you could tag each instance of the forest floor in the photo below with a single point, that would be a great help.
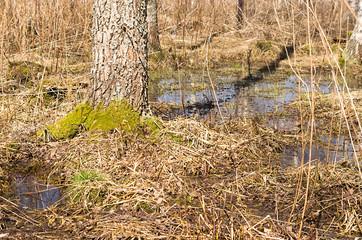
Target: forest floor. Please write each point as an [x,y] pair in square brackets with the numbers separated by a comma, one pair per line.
[186,179]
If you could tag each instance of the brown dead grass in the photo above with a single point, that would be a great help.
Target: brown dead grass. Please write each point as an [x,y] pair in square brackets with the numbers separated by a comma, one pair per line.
[191,180]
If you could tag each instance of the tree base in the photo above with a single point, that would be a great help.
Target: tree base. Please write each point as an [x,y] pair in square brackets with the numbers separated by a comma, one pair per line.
[353,50]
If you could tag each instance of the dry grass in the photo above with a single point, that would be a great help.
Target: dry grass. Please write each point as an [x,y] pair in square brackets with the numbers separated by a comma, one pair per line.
[57,33]
[190,179]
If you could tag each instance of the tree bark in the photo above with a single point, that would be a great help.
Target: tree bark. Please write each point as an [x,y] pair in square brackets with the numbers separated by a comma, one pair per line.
[240,11]
[354,45]
[353,4]
[119,68]
[152,19]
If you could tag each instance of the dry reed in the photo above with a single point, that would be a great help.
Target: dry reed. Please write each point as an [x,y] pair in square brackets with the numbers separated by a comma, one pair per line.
[191,180]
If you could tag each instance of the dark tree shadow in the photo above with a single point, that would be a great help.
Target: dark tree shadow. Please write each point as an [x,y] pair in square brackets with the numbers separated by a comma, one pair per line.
[249,80]
[203,108]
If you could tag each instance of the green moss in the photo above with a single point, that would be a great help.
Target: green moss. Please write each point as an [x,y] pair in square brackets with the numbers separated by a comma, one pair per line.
[119,114]
[23,71]
[88,187]
[152,122]
[68,126]
[157,56]
[264,45]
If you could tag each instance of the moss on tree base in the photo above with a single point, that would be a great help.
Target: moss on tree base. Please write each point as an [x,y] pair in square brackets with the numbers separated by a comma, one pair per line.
[118,115]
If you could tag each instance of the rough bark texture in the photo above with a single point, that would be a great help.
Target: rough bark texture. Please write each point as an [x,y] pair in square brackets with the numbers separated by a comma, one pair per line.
[353,4]
[240,12]
[354,46]
[152,19]
[120,52]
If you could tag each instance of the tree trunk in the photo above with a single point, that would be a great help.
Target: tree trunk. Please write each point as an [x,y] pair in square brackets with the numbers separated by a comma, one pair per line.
[240,11]
[152,19]
[119,68]
[354,45]
[353,4]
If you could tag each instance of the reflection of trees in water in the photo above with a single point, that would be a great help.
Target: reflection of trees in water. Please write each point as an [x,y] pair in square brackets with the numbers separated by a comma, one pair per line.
[242,103]
[339,150]
[249,97]
[193,97]
[249,84]
[35,195]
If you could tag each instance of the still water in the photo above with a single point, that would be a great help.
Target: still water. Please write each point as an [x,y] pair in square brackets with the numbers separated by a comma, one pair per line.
[249,98]
[31,193]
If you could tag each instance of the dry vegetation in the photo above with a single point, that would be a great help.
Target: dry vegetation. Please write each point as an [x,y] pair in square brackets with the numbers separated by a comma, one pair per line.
[188,179]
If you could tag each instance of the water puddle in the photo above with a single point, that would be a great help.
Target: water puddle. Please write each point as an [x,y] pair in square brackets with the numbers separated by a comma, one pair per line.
[337,151]
[236,97]
[266,98]
[31,194]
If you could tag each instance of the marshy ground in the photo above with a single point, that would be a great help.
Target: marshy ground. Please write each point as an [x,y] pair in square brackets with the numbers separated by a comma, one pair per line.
[195,176]
[227,156]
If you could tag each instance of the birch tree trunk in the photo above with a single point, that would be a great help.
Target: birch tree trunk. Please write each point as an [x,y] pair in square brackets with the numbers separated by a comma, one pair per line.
[354,45]
[353,4]
[152,19]
[239,14]
[119,68]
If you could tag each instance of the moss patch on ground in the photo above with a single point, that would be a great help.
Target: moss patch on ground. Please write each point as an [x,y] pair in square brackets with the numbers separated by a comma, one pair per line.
[119,114]
[22,72]
[68,126]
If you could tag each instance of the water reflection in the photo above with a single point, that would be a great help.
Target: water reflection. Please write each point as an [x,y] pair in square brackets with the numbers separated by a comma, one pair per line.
[34,194]
[292,156]
[237,97]
[247,98]
[290,123]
